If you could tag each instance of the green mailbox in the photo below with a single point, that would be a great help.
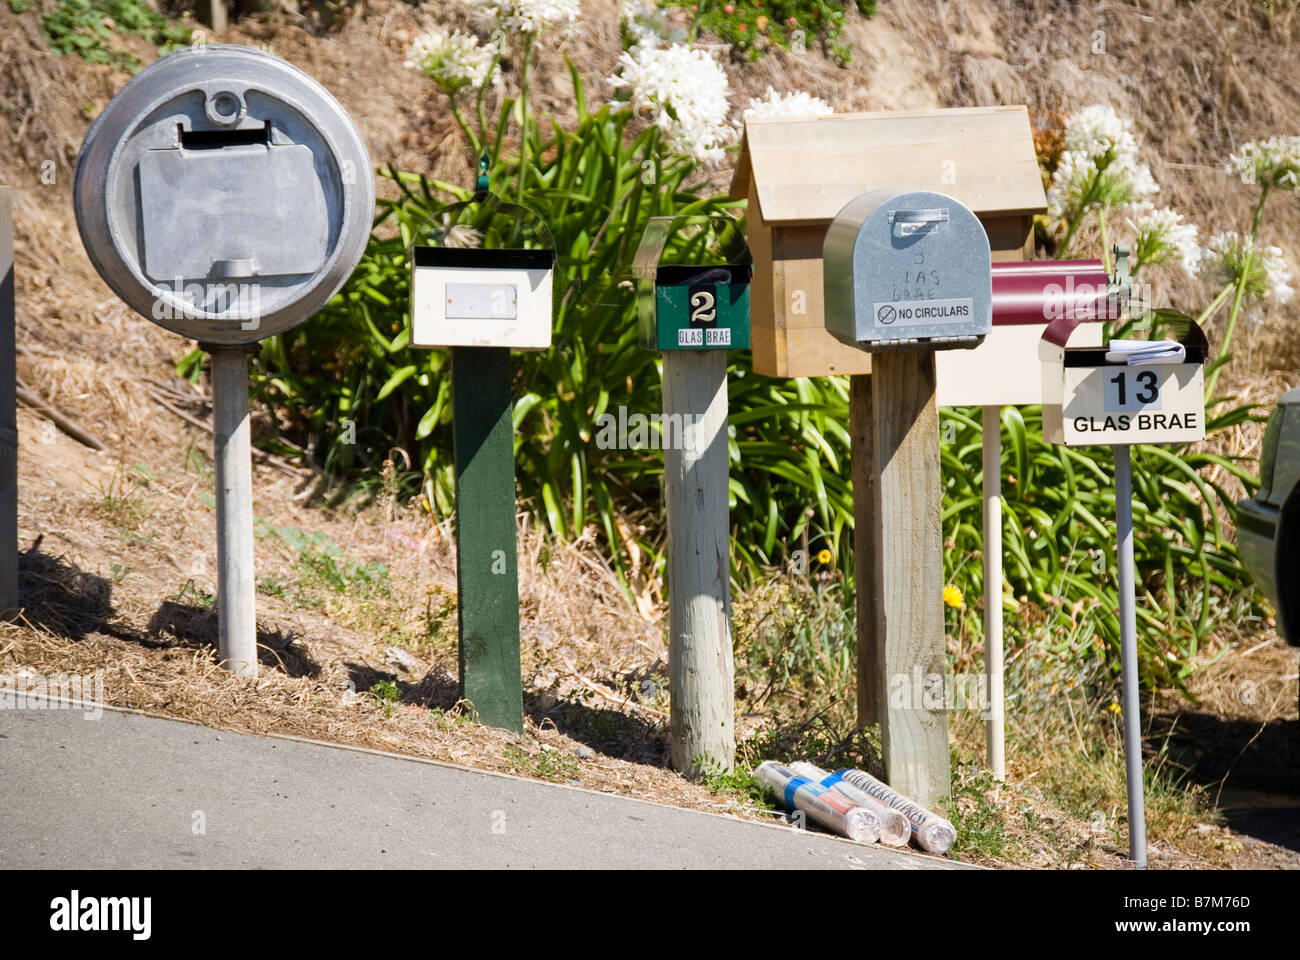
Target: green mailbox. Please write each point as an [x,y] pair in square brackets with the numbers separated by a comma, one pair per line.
[699,298]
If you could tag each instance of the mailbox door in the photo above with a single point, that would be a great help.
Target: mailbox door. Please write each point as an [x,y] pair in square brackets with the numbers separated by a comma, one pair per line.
[709,316]
[908,270]
[1113,403]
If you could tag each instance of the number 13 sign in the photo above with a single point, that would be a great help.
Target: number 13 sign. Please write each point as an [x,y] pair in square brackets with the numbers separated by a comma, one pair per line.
[1110,403]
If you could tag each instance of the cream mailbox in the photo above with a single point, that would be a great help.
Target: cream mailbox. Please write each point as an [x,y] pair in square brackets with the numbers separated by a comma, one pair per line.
[1127,392]
[224,194]
[486,282]
[907,271]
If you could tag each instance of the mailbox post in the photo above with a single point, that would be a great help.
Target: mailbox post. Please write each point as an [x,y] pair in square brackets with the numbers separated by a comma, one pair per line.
[1005,370]
[1100,395]
[482,302]
[694,312]
[906,275]
[226,196]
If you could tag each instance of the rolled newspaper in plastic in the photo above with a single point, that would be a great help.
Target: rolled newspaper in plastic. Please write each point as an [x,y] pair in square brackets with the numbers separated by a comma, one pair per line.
[895,828]
[830,809]
[930,831]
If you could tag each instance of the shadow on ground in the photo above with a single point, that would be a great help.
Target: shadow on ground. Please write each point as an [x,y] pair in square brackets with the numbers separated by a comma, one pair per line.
[1251,768]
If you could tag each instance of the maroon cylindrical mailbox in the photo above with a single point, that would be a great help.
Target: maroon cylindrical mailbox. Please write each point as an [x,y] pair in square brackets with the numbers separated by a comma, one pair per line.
[1046,290]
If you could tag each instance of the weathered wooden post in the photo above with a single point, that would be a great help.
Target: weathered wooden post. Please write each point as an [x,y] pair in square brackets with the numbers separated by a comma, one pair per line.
[482,302]
[797,173]
[8,411]
[906,275]
[694,309]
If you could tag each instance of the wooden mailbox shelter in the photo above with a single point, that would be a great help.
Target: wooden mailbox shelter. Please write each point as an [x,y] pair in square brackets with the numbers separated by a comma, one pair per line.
[799,172]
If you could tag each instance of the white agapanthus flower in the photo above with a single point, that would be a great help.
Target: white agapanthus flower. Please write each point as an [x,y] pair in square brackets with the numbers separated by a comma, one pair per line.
[1274,162]
[451,60]
[793,104]
[686,91]
[1099,166]
[645,24]
[528,16]
[1163,237]
[1229,256]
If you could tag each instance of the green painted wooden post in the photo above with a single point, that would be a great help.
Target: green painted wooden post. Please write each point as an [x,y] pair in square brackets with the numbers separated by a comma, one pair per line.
[486,567]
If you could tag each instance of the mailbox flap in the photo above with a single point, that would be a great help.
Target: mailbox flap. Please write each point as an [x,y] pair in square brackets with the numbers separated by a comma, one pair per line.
[255,211]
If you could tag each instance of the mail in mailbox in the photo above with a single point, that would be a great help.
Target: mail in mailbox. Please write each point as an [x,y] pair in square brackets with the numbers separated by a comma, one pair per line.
[224,194]
[907,271]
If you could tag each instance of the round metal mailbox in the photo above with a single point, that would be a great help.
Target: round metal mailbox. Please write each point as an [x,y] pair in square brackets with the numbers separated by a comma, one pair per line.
[224,194]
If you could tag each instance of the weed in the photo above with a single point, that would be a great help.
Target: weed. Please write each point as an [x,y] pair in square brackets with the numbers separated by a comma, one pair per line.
[386,694]
[189,592]
[87,28]
[979,821]
[547,764]
[738,783]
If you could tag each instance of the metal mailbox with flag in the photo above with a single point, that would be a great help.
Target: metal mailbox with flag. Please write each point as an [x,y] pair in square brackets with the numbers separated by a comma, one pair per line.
[699,300]
[908,270]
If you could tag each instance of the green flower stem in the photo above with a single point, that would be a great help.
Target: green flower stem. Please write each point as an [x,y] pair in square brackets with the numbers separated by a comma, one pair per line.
[481,106]
[1259,211]
[460,119]
[1227,333]
[1105,245]
[1075,222]
[523,112]
[1215,304]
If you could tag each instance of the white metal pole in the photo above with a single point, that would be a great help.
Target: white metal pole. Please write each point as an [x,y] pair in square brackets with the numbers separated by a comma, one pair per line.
[1137,827]
[236,603]
[995,732]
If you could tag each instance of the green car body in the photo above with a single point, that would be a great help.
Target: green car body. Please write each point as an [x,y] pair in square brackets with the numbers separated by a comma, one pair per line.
[1268,524]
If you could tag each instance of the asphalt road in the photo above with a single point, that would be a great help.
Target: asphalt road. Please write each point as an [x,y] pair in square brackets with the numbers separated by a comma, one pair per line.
[129,791]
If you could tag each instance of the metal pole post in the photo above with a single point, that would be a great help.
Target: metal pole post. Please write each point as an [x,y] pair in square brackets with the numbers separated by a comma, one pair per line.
[995,734]
[1137,828]
[236,598]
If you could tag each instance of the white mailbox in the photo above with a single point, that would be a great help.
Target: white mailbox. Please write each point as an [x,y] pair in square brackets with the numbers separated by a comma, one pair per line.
[1028,295]
[482,275]
[1110,395]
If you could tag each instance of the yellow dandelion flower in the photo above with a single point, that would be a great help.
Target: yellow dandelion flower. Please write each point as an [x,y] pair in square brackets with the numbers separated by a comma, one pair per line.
[824,556]
[952,596]
[1115,707]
